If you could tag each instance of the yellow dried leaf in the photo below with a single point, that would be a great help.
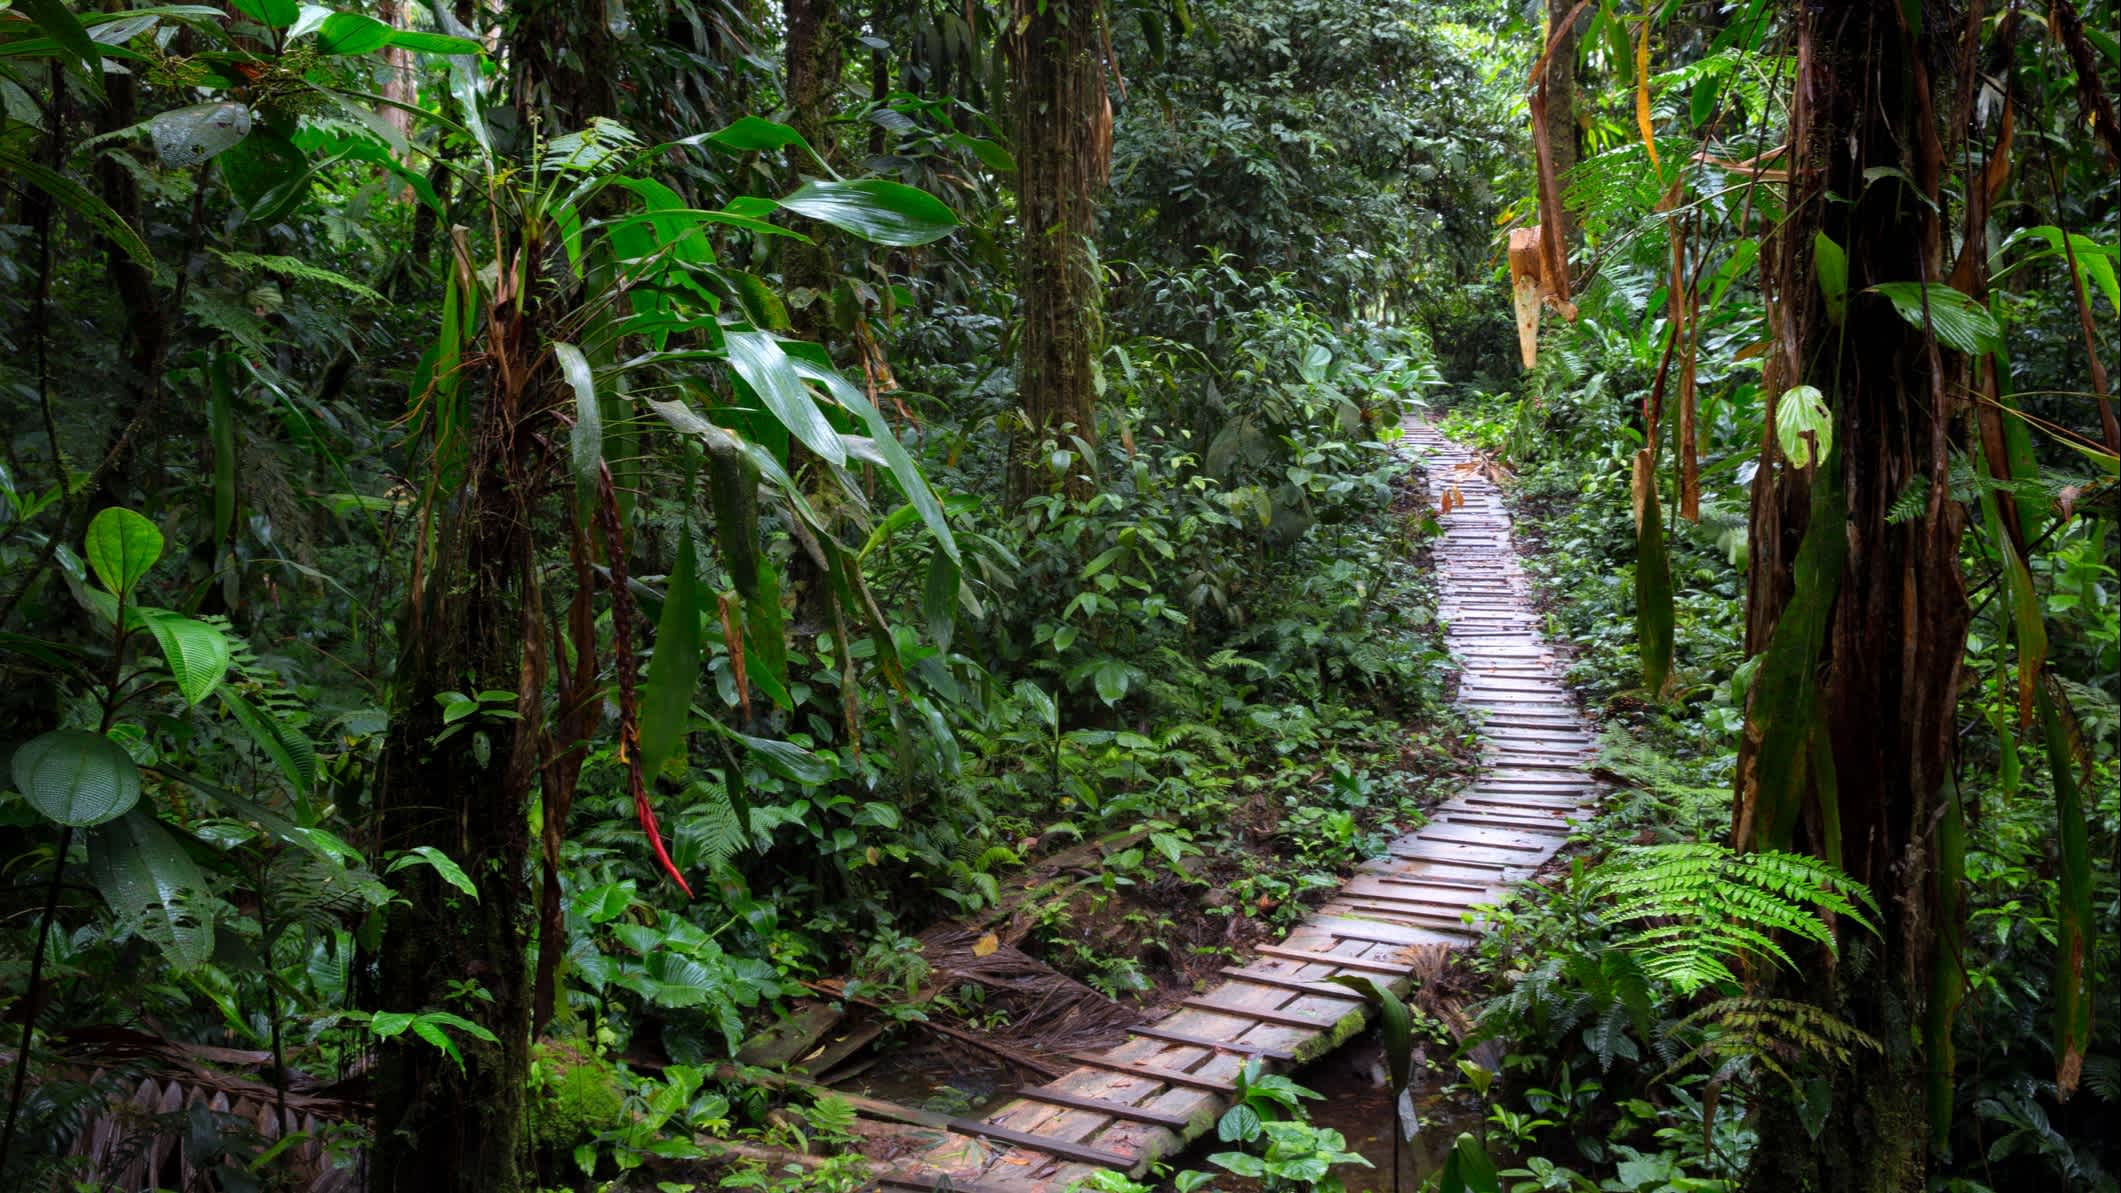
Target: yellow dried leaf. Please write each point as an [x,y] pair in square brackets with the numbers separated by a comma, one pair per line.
[986,945]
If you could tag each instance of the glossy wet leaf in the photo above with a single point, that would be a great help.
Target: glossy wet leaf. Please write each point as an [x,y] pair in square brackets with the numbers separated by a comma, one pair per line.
[189,136]
[121,546]
[876,210]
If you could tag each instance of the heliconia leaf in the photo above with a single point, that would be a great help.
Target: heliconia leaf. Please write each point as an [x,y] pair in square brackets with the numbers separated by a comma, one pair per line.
[121,546]
[75,777]
[1643,123]
[82,202]
[876,210]
[674,669]
[197,653]
[765,366]
[153,887]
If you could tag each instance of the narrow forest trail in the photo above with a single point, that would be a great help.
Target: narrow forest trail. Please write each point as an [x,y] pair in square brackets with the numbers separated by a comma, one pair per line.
[1148,1098]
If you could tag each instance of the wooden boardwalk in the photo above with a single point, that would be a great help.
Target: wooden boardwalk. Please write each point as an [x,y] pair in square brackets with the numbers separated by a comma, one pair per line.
[1146,1099]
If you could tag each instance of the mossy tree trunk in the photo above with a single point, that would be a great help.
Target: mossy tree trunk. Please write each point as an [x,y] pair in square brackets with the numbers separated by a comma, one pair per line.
[1062,119]
[1862,620]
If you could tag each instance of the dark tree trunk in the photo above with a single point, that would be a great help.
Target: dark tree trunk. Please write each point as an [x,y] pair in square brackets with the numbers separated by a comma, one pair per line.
[816,50]
[1063,124]
[474,607]
[1850,758]
[563,62]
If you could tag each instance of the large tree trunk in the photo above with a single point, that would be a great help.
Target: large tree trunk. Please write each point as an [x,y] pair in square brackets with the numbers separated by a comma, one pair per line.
[1063,123]
[1847,746]
[465,789]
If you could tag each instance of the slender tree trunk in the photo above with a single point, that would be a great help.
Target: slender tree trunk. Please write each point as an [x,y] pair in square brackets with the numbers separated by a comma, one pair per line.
[816,50]
[1863,621]
[1063,122]
[1561,88]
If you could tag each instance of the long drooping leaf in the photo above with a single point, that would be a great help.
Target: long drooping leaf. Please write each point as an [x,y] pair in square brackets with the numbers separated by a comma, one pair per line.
[674,670]
[76,778]
[765,366]
[586,441]
[153,887]
[60,24]
[903,470]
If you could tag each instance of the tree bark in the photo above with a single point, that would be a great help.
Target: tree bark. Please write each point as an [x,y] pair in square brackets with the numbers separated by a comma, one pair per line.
[1849,761]
[816,51]
[1063,123]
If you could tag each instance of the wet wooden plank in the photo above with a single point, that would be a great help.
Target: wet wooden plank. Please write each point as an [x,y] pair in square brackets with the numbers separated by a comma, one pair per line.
[1126,1110]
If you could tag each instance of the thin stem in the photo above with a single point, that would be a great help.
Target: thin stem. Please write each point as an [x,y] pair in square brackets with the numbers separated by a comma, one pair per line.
[29,1009]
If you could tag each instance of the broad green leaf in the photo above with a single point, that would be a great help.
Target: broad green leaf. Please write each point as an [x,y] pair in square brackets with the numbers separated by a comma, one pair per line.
[674,669]
[1239,1124]
[1831,265]
[759,359]
[352,33]
[121,546]
[277,14]
[753,133]
[433,43]
[289,748]
[197,653]
[75,777]
[1800,411]
[386,1024]
[153,887]
[1111,679]
[441,863]
[266,173]
[1960,323]
[1468,1169]
[875,210]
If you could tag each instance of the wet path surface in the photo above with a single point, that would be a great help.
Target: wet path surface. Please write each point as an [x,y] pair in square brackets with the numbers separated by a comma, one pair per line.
[1146,1099]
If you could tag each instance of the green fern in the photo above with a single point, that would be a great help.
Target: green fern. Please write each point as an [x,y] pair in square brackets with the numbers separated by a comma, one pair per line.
[1690,910]
[1775,1034]
[295,267]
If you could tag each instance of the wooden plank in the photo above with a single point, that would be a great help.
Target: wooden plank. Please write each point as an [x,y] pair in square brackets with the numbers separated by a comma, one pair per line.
[1277,1018]
[1358,964]
[1351,905]
[1452,861]
[1172,1036]
[1139,1114]
[1168,1076]
[1285,982]
[1479,844]
[1375,931]
[1041,1143]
